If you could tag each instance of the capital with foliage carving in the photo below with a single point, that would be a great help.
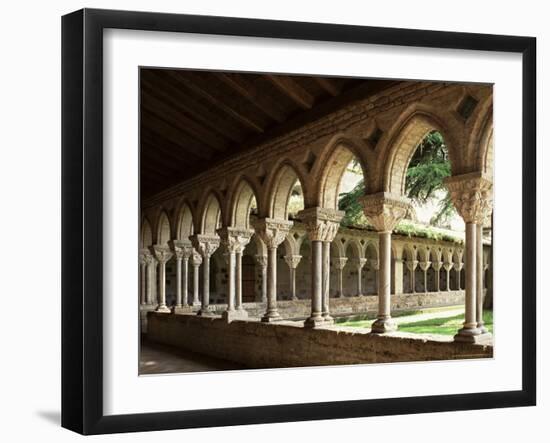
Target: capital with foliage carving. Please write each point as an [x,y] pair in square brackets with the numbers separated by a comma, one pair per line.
[340,262]
[321,224]
[144,255]
[384,210]
[424,265]
[448,266]
[272,231]
[437,265]
[411,265]
[261,260]
[472,196]
[162,253]
[234,239]
[205,245]
[182,248]
[196,259]
[360,263]
[293,260]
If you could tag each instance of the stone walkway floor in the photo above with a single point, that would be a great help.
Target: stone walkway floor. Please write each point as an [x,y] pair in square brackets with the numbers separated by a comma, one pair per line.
[161,359]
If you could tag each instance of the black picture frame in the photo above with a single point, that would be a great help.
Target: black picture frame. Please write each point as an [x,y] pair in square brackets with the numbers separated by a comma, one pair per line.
[82,218]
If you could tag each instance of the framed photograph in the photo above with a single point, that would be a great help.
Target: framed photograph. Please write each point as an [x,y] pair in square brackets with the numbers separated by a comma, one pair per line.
[269,221]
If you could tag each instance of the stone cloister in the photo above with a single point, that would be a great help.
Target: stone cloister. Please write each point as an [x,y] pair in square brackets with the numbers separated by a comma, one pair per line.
[233,248]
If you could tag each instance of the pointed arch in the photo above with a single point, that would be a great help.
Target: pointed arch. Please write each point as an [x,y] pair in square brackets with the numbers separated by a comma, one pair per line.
[280,190]
[164,234]
[243,198]
[146,237]
[184,224]
[210,215]
[355,247]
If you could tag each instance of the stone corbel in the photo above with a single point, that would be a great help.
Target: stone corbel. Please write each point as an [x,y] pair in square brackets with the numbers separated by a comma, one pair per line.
[384,210]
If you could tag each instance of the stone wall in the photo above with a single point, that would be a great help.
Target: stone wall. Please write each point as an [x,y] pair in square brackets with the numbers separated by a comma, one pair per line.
[265,345]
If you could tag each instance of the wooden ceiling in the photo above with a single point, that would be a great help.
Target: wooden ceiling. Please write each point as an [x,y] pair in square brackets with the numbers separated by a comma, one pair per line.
[191,120]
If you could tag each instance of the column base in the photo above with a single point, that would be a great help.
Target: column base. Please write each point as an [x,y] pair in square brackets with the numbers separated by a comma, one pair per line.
[482,328]
[243,313]
[196,304]
[163,309]
[271,317]
[237,314]
[205,312]
[182,310]
[327,319]
[314,321]
[472,335]
[383,326]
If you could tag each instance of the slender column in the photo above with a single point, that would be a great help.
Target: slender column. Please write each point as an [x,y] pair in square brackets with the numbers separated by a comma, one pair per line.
[196,261]
[471,195]
[375,266]
[384,210]
[262,261]
[411,266]
[206,245]
[398,276]
[239,279]
[359,265]
[185,279]
[437,267]
[182,250]
[179,259]
[479,282]
[163,254]
[425,265]
[322,226]
[448,266]
[143,260]
[293,261]
[339,263]
[272,232]
[151,280]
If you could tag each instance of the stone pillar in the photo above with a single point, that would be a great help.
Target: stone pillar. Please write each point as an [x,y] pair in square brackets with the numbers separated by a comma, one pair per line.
[196,261]
[234,240]
[437,267]
[398,275]
[143,263]
[322,226]
[162,254]
[411,266]
[205,245]
[479,283]
[182,251]
[151,294]
[471,195]
[448,266]
[262,261]
[359,265]
[384,210]
[293,261]
[340,263]
[425,265]
[375,266]
[272,232]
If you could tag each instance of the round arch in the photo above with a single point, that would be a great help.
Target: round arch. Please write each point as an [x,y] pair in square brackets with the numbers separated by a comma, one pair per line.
[163,229]
[280,190]
[184,224]
[243,197]
[210,215]
[146,238]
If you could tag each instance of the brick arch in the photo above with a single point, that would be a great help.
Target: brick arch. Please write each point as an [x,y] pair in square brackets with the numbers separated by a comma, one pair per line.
[184,223]
[279,190]
[242,198]
[402,140]
[334,159]
[210,215]
[164,233]
[146,237]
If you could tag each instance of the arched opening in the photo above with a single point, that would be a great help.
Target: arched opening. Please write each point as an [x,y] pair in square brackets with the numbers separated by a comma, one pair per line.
[371,274]
[146,238]
[185,223]
[352,274]
[211,215]
[243,205]
[409,257]
[286,197]
[163,230]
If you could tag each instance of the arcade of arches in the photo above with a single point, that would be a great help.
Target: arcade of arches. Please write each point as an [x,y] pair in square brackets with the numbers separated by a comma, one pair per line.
[224,243]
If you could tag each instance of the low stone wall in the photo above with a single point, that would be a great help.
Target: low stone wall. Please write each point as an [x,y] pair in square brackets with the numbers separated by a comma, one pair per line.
[267,345]
[341,307]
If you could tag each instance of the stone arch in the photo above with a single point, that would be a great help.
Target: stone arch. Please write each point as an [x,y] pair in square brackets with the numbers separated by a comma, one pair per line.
[146,237]
[336,156]
[279,191]
[184,224]
[242,199]
[210,214]
[354,247]
[403,139]
[164,234]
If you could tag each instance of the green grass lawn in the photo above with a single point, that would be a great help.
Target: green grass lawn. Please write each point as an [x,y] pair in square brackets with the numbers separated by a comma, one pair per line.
[437,325]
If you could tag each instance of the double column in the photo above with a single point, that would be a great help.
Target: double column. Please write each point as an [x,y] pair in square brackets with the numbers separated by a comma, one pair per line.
[205,245]
[262,262]
[384,210]
[183,250]
[425,265]
[234,241]
[339,264]
[359,265]
[321,226]
[471,195]
[162,254]
[272,232]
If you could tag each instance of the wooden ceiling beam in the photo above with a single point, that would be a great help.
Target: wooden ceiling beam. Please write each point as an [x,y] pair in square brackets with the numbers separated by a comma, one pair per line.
[196,84]
[328,85]
[293,90]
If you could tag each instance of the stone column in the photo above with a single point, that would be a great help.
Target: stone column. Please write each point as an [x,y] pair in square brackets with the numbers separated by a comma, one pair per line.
[143,261]
[448,266]
[398,276]
[162,254]
[471,195]
[479,283]
[411,266]
[322,226]
[234,240]
[437,267]
[196,261]
[262,261]
[205,245]
[293,261]
[425,265]
[272,232]
[375,266]
[359,264]
[151,294]
[182,251]
[384,210]
[339,264]
[458,268]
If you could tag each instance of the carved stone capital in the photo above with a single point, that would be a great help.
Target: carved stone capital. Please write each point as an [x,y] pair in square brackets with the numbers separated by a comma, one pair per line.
[205,245]
[340,262]
[234,239]
[447,266]
[472,196]
[144,256]
[360,263]
[272,231]
[293,260]
[196,259]
[182,248]
[458,266]
[424,265]
[384,210]
[437,265]
[321,223]
[373,263]
[411,265]
[162,253]
[261,260]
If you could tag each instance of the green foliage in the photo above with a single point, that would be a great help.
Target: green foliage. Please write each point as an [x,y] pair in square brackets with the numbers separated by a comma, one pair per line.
[427,169]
